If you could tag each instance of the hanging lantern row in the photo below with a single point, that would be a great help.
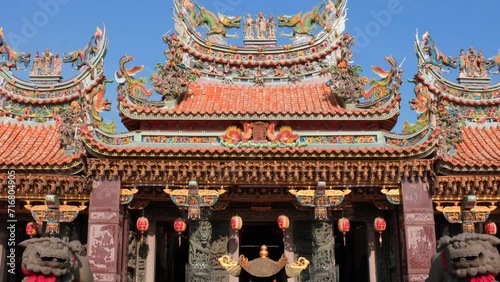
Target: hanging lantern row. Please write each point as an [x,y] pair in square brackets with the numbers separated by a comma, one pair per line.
[490,228]
[179,227]
[31,229]
[236,223]
[283,222]
[379,224]
[344,226]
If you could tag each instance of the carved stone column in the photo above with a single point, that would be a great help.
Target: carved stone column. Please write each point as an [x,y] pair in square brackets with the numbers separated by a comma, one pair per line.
[105,230]
[200,236]
[323,257]
[420,239]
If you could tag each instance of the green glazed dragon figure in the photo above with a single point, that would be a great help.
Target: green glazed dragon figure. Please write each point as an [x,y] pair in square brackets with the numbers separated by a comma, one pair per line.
[304,24]
[216,25]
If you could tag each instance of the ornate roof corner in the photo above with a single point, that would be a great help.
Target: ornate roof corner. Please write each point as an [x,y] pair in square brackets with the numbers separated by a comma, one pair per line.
[349,86]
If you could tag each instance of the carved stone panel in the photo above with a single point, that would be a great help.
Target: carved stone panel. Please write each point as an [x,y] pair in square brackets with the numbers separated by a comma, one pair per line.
[419,229]
[105,224]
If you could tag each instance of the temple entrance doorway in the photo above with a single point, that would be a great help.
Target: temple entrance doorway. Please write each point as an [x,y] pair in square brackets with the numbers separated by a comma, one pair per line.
[252,236]
[352,259]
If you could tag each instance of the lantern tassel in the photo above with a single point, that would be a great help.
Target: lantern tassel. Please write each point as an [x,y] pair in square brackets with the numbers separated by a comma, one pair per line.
[180,240]
[380,239]
[344,238]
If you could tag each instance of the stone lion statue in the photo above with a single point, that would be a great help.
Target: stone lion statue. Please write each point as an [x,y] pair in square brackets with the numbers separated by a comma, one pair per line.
[467,257]
[53,259]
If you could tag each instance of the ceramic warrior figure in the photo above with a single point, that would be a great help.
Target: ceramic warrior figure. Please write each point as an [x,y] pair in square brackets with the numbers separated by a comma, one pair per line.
[249,32]
[462,63]
[37,64]
[46,62]
[271,28]
[261,26]
[57,62]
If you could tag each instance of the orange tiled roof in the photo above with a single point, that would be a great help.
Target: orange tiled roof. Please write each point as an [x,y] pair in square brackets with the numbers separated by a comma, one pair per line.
[24,145]
[301,99]
[480,148]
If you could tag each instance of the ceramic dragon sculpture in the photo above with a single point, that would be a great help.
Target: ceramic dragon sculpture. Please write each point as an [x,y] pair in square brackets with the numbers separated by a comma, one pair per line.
[82,58]
[304,24]
[55,260]
[436,58]
[132,86]
[9,58]
[97,100]
[216,25]
[234,135]
[494,62]
[465,257]
[285,134]
[379,88]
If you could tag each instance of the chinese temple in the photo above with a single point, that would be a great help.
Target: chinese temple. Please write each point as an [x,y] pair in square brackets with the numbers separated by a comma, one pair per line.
[260,161]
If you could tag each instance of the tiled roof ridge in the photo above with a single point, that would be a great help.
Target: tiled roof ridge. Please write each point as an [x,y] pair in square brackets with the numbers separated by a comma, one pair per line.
[455,99]
[99,148]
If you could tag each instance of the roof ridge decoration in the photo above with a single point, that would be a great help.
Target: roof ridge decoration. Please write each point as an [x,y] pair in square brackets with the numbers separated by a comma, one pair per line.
[473,68]
[260,31]
[9,58]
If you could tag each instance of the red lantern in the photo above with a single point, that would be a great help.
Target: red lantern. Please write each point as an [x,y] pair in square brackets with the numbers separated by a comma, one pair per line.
[179,227]
[379,224]
[236,223]
[142,224]
[31,229]
[344,226]
[283,222]
[490,228]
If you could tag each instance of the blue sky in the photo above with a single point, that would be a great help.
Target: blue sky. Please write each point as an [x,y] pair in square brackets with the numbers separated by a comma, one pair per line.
[135,27]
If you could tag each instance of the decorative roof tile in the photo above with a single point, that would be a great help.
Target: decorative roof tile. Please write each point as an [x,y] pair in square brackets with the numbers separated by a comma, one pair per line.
[287,99]
[23,145]
[480,148]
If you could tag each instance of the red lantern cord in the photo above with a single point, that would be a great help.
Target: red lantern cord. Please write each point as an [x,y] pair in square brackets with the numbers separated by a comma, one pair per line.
[179,227]
[344,226]
[379,224]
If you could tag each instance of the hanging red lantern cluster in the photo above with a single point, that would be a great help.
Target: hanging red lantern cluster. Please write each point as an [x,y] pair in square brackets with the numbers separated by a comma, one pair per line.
[31,229]
[179,227]
[344,226]
[283,222]
[490,228]
[379,224]
[236,223]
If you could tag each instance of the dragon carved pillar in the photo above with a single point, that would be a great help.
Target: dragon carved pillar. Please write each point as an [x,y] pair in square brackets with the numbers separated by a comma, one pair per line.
[323,257]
